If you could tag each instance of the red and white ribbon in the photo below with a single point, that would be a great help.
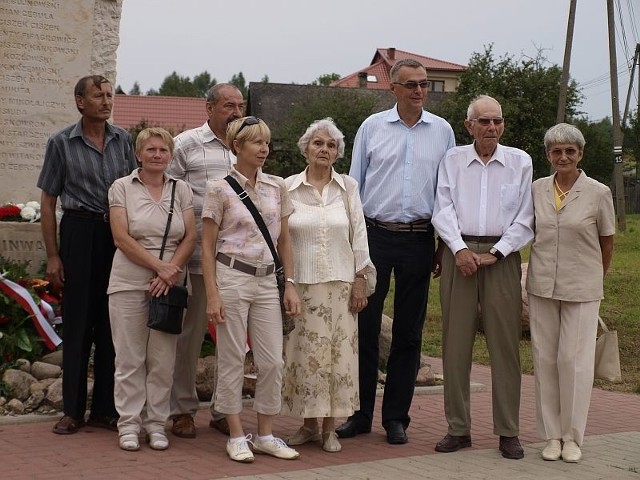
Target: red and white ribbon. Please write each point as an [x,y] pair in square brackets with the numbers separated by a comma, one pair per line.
[24,298]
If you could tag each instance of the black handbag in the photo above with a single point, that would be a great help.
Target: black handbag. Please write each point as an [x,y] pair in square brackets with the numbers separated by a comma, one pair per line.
[166,312]
[288,323]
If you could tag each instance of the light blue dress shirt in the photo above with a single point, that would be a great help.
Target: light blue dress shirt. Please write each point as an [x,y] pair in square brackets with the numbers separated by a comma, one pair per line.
[396,166]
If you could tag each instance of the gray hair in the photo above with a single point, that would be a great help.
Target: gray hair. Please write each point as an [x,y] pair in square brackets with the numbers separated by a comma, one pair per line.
[564,133]
[405,62]
[325,125]
[213,94]
[472,105]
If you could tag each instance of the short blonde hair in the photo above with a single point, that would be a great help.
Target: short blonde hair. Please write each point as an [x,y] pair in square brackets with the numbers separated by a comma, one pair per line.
[246,132]
[147,133]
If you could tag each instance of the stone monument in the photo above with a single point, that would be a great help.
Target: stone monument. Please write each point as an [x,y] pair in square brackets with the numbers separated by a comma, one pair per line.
[45,47]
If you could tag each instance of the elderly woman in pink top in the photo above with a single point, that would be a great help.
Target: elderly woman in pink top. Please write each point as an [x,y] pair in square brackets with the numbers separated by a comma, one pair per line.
[242,293]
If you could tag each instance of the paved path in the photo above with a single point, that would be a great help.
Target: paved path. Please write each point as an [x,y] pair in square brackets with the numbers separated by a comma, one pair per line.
[611,450]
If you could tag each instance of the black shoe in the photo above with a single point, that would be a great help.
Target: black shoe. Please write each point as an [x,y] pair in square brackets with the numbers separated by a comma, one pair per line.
[511,448]
[453,443]
[351,428]
[395,432]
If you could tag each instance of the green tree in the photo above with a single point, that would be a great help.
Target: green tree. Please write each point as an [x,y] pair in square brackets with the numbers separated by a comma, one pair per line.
[265,79]
[239,81]
[177,86]
[326,79]
[528,91]
[348,108]
[135,90]
[632,142]
[597,161]
[203,82]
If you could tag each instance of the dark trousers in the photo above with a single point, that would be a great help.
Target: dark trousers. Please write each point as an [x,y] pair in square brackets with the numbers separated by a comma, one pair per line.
[86,249]
[409,255]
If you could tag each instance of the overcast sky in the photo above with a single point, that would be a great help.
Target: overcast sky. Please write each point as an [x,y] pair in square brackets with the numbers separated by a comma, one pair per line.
[296,41]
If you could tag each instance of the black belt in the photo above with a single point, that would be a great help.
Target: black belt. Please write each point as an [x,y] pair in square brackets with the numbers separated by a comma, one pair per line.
[236,264]
[421,226]
[87,215]
[475,239]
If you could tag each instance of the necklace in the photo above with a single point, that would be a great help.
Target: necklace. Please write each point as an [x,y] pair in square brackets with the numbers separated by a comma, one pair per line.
[561,195]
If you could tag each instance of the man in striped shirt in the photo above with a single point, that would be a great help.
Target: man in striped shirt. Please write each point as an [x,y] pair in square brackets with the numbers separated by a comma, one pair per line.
[80,164]
[395,160]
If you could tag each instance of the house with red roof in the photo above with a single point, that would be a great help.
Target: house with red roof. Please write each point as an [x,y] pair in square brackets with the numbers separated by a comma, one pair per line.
[174,114]
[444,76]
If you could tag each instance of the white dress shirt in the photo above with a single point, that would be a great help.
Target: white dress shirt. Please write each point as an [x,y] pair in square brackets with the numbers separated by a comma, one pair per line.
[485,200]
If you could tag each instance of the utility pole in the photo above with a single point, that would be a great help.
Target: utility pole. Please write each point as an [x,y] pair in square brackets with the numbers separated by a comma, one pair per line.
[636,61]
[564,79]
[615,113]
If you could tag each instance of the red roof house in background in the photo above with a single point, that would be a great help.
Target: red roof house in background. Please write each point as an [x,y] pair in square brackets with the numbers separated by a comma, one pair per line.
[175,114]
[444,76]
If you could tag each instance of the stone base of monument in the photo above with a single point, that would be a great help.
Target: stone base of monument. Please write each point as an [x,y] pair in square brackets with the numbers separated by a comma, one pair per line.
[22,242]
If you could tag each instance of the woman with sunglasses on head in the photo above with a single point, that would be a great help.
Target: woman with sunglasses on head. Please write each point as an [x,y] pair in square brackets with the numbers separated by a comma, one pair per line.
[332,267]
[570,255]
[242,293]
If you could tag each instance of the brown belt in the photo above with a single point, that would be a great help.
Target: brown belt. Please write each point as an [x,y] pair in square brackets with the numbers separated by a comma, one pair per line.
[416,226]
[475,239]
[233,262]
[87,215]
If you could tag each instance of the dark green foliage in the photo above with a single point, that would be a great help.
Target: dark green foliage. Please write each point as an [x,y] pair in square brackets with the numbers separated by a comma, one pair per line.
[348,109]
[178,86]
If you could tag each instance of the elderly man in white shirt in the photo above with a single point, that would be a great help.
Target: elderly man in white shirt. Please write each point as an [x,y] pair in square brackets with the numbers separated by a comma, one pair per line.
[484,213]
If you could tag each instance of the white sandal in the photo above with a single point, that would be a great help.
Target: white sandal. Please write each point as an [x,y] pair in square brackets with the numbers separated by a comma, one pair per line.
[129,442]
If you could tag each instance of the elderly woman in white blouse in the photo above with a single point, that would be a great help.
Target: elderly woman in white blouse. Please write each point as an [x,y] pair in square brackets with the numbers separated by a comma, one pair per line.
[331,258]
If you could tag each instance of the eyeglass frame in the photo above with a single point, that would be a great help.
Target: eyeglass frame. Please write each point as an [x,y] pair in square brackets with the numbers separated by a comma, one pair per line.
[248,121]
[485,122]
[407,85]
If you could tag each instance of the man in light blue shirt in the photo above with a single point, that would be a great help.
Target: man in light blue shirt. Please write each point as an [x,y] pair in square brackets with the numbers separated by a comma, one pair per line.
[395,160]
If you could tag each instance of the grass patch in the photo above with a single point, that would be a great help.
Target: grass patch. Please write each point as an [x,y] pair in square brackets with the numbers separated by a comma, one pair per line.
[620,309]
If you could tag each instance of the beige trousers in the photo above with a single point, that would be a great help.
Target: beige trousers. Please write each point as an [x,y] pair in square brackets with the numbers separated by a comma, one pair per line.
[251,306]
[563,343]
[497,289]
[144,364]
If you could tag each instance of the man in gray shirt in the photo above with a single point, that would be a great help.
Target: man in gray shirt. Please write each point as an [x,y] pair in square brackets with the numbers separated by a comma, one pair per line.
[80,164]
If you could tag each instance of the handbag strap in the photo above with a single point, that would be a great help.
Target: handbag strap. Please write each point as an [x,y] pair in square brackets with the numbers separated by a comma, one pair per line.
[166,230]
[602,325]
[244,197]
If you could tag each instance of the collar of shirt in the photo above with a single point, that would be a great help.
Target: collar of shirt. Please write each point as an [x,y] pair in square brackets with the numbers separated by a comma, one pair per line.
[207,134]
[135,175]
[261,177]
[110,132]
[498,155]
[394,116]
[301,179]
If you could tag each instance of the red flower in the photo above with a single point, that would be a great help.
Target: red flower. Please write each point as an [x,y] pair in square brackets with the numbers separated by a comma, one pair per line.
[4,319]
[9,211]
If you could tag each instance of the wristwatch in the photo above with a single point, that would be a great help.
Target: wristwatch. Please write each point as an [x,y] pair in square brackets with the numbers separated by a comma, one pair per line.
[290,280]
[496,253]
[361,275]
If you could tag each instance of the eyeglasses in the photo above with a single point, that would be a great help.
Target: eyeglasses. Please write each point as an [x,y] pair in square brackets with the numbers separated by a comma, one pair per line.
[248,121]
[485,122]
[569,152]
[414,85]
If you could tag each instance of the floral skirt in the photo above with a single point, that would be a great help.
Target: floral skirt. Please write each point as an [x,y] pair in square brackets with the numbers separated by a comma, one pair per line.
[321,355]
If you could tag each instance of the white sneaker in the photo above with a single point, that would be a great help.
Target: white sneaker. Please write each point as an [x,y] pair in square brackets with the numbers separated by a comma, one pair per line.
[571,452]
[552,451]
[240,451]
[275,447]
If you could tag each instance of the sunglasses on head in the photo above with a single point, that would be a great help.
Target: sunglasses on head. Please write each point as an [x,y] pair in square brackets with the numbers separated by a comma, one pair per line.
[249,121]
[485,122]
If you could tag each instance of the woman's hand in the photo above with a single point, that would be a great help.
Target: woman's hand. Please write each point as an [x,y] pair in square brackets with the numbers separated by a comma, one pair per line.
[168,272]
[158,287]
[358,297]
[215,309]
[292,303]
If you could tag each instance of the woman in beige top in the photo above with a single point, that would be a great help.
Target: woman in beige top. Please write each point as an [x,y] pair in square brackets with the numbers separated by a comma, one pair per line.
[242,293]
[571,253]
[331,257]
[138,210]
